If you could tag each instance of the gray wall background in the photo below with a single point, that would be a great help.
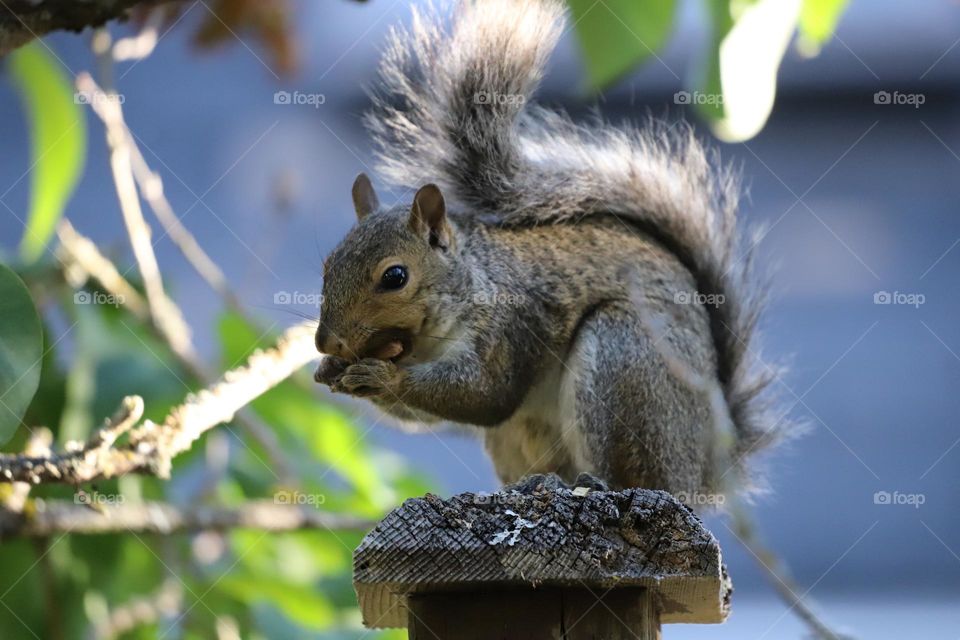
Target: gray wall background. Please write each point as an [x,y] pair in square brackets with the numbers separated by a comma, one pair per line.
[858,197]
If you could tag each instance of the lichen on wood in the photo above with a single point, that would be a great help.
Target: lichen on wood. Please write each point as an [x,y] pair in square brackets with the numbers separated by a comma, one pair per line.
[541,532]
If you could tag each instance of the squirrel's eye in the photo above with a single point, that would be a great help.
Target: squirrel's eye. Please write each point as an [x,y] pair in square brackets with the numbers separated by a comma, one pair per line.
[393,278]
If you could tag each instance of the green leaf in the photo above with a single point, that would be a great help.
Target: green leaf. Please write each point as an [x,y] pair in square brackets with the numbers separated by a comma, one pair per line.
[740,82]
[710,106]
[57,141]
[818,21]
[616,35]
[21,351]
[48,402]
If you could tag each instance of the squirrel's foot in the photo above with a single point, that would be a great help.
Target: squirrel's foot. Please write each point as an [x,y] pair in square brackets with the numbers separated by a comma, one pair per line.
[369,377]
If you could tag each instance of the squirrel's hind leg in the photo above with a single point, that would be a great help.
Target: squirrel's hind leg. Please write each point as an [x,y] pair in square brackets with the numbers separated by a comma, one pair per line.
[638,424]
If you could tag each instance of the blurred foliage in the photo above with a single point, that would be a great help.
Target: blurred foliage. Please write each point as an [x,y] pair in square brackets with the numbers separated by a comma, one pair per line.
[223,22]
[21,342]
[287,585]
[616,35]
[67,368]
[57,140]
[732,82]
[818,20]
[267,20]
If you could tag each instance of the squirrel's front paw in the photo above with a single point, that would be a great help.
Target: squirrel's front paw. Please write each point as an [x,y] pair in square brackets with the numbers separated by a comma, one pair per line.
[369,377]
[329,369]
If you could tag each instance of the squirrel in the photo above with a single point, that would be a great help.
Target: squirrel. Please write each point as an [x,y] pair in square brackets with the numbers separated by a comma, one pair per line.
[579,293]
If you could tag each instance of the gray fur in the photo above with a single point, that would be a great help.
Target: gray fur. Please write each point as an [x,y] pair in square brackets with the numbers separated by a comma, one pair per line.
[523,166]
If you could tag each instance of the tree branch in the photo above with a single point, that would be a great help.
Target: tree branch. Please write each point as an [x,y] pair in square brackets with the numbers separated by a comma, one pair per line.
[38,445]
[54,517]
[151,447]
[24,20]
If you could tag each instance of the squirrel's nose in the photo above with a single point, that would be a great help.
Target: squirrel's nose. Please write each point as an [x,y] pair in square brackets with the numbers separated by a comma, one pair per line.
[327,343]
[321,337]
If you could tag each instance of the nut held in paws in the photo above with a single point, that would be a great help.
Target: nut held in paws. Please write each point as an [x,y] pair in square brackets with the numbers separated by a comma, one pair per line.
[389,350]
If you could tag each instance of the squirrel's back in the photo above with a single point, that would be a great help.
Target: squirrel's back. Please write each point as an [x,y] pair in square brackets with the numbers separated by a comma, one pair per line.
[560,271]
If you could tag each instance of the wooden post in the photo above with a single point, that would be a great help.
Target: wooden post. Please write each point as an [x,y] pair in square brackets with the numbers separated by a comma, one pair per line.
[541,560]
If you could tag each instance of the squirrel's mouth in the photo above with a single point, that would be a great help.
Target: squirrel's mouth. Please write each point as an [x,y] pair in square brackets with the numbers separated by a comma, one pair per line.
[388,344]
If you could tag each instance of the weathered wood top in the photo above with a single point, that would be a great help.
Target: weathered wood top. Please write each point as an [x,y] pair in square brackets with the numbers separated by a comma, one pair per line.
[541,532]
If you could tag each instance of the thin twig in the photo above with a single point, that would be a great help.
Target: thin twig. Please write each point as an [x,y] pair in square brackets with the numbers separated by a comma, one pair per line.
[166,315]
[82,260]
[141,45]
[151,186]
[777,574]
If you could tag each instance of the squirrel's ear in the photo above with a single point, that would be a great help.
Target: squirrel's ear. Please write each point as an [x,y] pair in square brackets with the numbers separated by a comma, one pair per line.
[365,199]
[428,216]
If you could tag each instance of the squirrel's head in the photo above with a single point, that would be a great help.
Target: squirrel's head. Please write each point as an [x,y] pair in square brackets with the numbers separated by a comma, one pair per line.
[377,283]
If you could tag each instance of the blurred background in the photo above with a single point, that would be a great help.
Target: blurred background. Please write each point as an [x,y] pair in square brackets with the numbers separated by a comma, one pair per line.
[856,193]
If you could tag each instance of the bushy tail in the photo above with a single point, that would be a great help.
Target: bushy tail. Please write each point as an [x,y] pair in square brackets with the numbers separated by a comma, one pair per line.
[454,109]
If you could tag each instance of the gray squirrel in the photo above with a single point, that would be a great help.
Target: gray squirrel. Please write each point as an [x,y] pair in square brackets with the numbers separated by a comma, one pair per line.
[580,293]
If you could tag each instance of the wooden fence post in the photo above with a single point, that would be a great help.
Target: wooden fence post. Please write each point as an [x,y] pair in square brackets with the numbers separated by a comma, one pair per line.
[541,560]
